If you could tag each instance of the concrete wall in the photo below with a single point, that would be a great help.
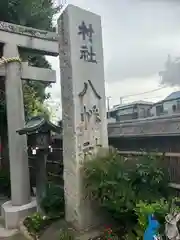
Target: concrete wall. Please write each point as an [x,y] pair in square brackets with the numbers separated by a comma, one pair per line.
[155,126]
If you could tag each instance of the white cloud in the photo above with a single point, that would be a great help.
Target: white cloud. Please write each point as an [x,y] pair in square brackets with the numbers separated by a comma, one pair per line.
[137,37]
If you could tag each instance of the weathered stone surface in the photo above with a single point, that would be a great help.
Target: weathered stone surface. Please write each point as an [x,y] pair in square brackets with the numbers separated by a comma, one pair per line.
[14,37]
[37,74]
[36,40]
[83,104]
[2,71]
[33,73]
[19,169]
[159,126]
[27,31]
[13,215]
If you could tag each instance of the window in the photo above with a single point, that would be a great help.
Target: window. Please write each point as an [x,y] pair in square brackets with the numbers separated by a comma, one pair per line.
[159,110]
[148,113]
[178,105]
[135,107]
[118,118]
[134,115]
[174,108]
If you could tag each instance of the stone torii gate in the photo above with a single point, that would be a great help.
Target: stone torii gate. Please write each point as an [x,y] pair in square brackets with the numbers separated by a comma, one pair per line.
[13,38]
[79,45]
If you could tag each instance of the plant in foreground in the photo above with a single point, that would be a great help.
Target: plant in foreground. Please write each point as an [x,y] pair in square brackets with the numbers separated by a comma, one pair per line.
[53,202]
[108,233]
[128,188]
[36,223]
[65,235]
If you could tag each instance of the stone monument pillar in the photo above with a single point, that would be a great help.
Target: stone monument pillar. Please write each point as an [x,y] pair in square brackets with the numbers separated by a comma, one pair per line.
[83,104]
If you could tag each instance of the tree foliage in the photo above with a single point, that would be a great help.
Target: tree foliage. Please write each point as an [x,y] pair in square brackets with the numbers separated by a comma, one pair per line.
[30,13]
[32,102]
[36,14]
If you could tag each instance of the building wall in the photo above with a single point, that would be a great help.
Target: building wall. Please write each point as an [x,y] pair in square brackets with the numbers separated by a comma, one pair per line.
[168,107]
[125,117]
[125,111]
[111,120]
[143,111]
[132,113]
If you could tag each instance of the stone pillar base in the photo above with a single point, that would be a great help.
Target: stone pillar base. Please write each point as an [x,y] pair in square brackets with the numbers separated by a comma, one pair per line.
[12,215]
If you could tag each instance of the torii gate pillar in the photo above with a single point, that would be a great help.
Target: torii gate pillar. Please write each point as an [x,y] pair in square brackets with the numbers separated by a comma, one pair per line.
[14,37]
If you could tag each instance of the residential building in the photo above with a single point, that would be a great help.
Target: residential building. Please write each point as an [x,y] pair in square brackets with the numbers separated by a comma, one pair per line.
[134,110]
[170,105]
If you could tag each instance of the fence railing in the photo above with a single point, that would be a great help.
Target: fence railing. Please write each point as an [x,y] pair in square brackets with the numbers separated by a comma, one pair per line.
[55,165]
[166,154]
[172,162]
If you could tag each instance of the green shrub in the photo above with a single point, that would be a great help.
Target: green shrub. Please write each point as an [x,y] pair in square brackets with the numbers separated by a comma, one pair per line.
[119,183]
[159,208]
[65,235]
[53,206]
[36,223]
[53,202]
[149,178]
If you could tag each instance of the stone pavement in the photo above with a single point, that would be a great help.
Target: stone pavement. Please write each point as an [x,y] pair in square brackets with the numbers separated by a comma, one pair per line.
[4,233]
[15,237]
[53,232]
[8,234]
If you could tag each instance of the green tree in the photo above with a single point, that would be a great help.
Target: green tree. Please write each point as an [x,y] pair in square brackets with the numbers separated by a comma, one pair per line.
[36,14]
[30,13]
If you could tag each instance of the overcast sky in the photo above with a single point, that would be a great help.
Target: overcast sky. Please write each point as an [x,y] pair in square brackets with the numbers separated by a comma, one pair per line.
[138,35]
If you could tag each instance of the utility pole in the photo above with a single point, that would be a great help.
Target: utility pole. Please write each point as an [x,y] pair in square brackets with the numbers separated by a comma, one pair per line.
[108,105]
[121,100]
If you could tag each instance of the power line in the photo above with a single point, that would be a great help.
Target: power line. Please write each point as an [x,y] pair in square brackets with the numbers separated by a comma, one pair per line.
[136,94]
